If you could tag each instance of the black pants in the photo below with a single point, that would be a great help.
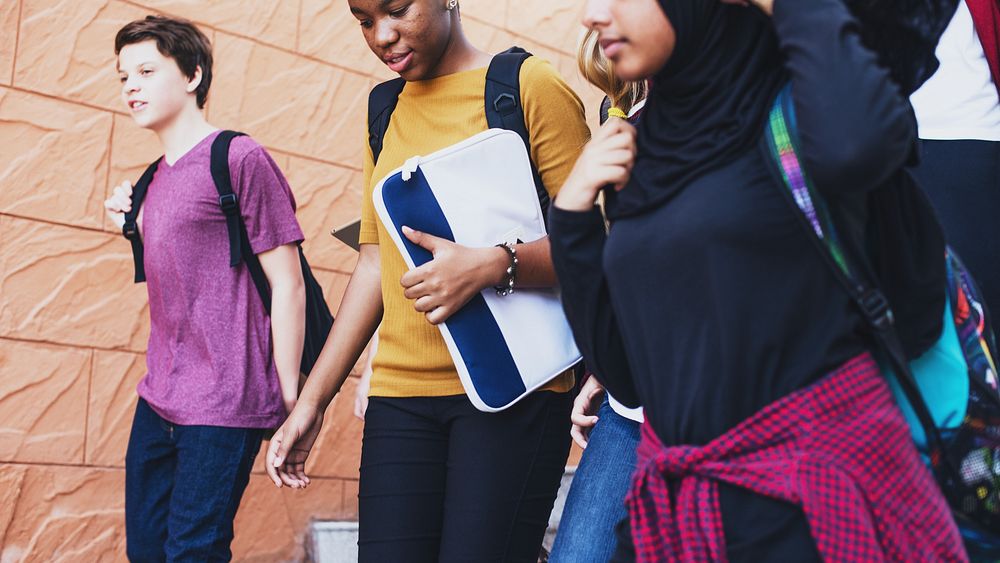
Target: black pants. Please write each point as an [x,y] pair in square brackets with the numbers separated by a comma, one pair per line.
[442,481]
[962,180]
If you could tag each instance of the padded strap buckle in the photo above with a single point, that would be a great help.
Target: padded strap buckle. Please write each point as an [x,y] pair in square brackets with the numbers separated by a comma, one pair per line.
[508,107]
[877,310]
[130,230]
[228,203]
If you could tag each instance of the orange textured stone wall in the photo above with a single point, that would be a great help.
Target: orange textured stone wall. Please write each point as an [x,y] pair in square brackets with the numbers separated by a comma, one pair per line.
[294,74]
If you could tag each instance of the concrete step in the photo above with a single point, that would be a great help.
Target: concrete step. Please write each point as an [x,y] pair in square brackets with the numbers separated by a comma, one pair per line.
[337,542]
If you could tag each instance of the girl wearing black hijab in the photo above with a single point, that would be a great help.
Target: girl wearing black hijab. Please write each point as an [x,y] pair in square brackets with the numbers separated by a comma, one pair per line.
[770,433]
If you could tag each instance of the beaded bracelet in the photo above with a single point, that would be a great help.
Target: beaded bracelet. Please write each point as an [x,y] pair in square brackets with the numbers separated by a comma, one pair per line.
[507,287]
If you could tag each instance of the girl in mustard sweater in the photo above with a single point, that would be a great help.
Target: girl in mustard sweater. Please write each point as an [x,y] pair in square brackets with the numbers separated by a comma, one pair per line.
[440,480]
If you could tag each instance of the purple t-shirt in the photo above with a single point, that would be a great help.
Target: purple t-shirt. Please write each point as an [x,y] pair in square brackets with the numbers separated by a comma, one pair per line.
[210,356]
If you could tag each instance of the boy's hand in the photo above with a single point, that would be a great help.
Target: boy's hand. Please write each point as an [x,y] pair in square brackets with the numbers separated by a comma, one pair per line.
[290,403]
[119,203]
[607,159]
[446,283]
[290,446]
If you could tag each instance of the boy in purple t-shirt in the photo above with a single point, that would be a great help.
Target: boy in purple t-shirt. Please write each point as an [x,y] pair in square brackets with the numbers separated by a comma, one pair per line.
[221,371]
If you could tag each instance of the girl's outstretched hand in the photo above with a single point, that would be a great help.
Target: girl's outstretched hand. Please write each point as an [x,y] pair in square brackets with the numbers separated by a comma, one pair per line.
[290,447]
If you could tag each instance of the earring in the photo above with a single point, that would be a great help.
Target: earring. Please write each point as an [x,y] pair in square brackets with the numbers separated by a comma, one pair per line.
[452,4]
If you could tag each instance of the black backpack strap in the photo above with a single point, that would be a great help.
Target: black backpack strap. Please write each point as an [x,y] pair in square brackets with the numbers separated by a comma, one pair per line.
[381,103]
[851,270]
[605,108]
[130,230]
[239,240]
[227,198]
[504,109]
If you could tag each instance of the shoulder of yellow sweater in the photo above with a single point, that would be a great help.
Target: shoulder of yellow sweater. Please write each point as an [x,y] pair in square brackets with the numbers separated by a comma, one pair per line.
[543,86]
[537,71]
[544,90]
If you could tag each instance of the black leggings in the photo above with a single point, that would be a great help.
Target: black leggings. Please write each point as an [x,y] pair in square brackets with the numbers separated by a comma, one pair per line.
[962,180]
[442,481]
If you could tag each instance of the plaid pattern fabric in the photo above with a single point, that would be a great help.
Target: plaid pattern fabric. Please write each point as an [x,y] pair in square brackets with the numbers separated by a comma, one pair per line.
[839,448]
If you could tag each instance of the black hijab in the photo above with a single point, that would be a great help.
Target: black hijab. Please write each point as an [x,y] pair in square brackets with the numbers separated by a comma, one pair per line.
[707,105]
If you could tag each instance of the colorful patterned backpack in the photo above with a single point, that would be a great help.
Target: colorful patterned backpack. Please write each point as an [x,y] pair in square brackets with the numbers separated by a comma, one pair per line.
[950,393]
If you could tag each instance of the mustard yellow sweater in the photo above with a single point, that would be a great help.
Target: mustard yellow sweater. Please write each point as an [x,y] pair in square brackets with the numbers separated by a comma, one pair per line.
[412,359]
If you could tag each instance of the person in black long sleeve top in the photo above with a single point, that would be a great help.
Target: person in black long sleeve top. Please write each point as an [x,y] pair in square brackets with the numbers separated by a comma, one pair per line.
[706,302]
[718,285]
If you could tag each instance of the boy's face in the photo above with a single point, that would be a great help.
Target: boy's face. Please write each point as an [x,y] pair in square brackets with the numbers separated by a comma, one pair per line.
[153,86]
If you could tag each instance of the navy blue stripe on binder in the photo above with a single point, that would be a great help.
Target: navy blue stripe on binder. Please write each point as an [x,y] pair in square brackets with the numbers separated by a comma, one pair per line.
[474,329]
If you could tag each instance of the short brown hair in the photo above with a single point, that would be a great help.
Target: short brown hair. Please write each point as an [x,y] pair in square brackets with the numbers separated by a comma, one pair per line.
[178,39]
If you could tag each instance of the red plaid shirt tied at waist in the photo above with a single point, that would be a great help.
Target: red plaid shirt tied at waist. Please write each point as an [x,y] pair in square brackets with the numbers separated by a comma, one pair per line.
[839,449]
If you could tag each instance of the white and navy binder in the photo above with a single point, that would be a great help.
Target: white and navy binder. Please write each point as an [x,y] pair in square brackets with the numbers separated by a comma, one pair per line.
[478,193]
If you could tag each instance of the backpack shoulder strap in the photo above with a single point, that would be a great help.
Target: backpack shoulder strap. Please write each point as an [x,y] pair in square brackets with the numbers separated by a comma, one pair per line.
[504,109]
[381,103]
[227,198]
[781,135]
[239,240]
[605,108]
[781,138]
[130,230]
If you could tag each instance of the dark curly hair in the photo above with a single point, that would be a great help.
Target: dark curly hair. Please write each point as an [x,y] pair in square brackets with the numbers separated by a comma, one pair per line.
[904,35]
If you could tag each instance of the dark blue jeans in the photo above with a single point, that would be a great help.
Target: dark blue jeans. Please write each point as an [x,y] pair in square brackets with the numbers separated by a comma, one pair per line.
[183,485]
[596,500]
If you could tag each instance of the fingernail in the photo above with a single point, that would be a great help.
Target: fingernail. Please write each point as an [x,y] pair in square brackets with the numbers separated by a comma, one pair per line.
[278,461]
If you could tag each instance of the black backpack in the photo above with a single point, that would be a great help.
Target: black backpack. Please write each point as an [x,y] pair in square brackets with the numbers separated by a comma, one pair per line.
[318,318]
[502,101]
